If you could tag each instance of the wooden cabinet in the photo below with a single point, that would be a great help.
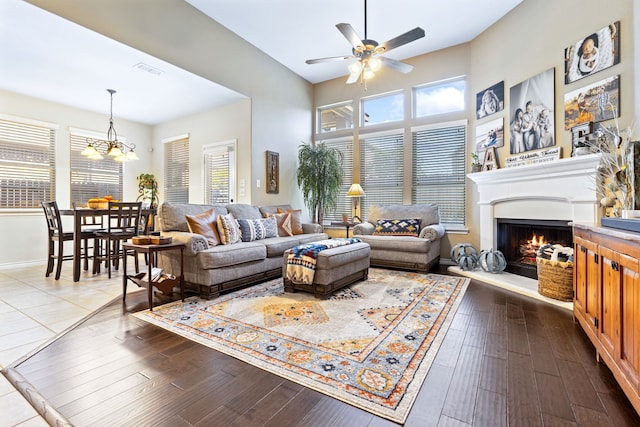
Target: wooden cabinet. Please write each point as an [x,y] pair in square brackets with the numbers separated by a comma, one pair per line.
[607,299]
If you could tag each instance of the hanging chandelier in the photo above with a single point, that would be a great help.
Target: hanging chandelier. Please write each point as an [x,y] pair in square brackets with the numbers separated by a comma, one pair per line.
[120,151]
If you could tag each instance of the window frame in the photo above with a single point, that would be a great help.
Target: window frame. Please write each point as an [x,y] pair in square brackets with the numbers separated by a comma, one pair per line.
[208,150]
[173,169]
[320,110]
[12,128]
[442,83]
[363,113]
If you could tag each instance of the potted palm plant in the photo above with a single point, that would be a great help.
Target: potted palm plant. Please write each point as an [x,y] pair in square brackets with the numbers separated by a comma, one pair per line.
[319,177]
[148,189]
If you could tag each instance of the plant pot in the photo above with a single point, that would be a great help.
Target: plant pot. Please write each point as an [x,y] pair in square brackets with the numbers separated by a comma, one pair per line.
[476,167]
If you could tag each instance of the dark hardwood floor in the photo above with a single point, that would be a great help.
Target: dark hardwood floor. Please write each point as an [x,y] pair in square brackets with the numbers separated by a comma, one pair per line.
[506,360]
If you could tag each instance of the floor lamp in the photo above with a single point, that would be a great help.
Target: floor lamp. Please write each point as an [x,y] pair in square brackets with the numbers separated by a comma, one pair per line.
[355,191]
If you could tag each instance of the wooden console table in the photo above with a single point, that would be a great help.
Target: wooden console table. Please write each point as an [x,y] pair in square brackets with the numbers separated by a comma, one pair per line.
[164,284]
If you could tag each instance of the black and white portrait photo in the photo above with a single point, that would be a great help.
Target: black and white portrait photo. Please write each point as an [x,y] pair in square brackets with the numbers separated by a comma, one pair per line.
[490,100]
[594,53]
[531,118]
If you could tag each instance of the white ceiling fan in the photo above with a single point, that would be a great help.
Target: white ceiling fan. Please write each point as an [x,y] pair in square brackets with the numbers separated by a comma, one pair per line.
[368,52]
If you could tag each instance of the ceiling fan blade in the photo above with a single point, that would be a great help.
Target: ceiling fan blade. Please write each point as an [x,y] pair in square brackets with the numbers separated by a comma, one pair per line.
[351,35]
[353,77]
[329,59]
[402,39]
[396,65]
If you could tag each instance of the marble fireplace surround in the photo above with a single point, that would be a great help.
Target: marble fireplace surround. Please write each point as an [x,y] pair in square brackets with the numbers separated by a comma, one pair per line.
[560,190]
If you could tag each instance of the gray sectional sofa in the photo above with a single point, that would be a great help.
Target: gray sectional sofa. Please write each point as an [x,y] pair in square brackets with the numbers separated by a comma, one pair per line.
[211,270]
[412,253]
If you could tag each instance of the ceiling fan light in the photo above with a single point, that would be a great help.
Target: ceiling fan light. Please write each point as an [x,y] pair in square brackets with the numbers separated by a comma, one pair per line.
[368,74]
[375,64]
[356,67]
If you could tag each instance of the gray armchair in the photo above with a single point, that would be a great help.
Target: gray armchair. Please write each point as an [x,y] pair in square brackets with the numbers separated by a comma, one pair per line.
[421,252]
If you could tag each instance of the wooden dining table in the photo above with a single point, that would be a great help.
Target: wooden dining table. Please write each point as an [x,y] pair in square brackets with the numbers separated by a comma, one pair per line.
[78,215]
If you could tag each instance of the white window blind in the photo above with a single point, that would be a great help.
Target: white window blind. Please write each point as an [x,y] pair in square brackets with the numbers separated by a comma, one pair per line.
[219,169]
[93,178]
[176,171]
[439,170]
[344,204]
[27,165]
[381,170]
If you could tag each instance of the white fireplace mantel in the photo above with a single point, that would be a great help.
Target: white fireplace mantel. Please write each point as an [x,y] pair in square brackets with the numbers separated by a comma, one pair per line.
[564,189]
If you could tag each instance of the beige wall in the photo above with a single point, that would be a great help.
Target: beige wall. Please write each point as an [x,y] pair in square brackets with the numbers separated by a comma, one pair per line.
[527,41]
[217,125]
[24,233]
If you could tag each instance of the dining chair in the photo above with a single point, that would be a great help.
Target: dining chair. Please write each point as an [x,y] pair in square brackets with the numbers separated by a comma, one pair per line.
[90,224]
[123,222]
[57,234]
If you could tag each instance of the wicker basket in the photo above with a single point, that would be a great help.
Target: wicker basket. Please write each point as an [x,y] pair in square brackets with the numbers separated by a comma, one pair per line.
[555,279]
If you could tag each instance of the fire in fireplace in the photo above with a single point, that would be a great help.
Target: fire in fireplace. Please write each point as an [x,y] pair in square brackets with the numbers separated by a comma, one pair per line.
[520,239]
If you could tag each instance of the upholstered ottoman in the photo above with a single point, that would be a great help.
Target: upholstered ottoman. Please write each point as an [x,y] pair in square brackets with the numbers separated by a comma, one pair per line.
[335,268]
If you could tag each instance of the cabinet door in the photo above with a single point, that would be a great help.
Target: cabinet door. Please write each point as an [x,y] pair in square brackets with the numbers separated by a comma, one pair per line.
[629,352]
[609,318]
[586,284]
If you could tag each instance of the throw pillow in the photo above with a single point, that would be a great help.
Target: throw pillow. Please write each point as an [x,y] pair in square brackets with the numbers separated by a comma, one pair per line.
[283,221]
[228,229]
[296,220]
[257,229]
[397,227]
[206,225]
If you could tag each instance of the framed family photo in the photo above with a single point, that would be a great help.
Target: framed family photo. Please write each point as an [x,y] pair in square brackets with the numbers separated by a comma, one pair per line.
[596,52]
[273,172]
[532,118]
[490,100]
[592,103]
[490,134]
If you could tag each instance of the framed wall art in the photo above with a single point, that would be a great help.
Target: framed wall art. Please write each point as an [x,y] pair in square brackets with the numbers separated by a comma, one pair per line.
[592,103]
[596,52]
[532,119]
[490,100]
[273,172]
[490,134]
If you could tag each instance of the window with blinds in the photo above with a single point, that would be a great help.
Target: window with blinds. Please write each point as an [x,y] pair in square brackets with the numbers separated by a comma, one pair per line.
[93,178]
[439,170]
[219,171]
[27,165]
[344,204]
[381,170]
[176,171]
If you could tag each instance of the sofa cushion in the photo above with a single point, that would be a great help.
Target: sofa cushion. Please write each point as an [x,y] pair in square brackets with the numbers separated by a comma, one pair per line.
[283,222]
[205,224]
[257,229]
[296,220]
[270,210]
[396,243]
[228,229]
[276,247]
[172,217]
[429,213]
[397,227]
[244,211]
[228,255]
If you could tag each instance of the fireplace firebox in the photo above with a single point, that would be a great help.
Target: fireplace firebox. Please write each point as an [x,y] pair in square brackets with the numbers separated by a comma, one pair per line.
[520,239]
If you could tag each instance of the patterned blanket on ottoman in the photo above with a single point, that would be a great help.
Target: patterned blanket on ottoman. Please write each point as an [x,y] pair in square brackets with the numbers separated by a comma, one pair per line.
[301,260]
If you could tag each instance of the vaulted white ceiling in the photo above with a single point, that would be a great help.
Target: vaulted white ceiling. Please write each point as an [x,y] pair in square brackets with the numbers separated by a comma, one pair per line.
[48,57]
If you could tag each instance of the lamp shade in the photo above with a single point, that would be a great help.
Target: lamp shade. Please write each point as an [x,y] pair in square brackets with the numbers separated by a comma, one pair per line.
[355,191]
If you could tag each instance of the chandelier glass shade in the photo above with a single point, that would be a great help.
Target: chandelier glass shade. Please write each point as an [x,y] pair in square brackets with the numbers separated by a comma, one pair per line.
[96,149]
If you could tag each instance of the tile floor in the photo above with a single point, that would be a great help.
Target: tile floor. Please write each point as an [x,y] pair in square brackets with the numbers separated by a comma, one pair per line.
[35,309]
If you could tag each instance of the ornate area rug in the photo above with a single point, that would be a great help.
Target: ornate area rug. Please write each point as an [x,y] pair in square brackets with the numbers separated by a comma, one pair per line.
[370,344]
